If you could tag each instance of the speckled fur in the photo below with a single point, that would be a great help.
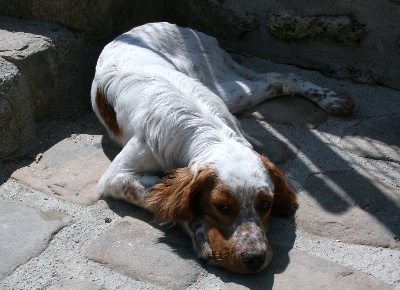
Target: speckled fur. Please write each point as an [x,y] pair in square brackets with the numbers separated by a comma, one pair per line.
[167,94]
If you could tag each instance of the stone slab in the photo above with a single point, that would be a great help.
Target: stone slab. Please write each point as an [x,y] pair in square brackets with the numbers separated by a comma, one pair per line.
[295,269]
[351,207]
[140,251]
[69,169]
[24,233]
[376,138]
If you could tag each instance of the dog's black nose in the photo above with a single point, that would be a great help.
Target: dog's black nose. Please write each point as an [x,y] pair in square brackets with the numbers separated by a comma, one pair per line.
[253,260]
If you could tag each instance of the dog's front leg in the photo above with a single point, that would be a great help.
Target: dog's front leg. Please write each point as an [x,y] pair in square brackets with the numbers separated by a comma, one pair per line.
[129,176]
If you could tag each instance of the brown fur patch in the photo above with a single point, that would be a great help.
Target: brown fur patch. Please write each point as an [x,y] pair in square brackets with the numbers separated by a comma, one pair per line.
[107,113]
[174,199]
[219,197]
[263,205]
[218,225]
[224,250]
[285,200]
[129,192]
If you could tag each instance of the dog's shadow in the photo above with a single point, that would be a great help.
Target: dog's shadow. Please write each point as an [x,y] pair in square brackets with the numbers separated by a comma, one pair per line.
[173,236]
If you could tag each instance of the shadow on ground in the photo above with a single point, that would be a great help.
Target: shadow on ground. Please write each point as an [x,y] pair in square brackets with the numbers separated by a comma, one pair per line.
[49,133]
[180,244]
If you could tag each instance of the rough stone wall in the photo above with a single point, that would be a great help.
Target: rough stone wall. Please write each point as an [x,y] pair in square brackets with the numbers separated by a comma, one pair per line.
[50,58]
[14,100]
[48,52]
[95,19]
[356,40]
[91,23]
[86,25]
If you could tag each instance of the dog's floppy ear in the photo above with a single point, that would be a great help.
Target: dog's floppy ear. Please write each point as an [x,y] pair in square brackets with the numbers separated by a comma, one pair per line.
[285,201]
[176,197]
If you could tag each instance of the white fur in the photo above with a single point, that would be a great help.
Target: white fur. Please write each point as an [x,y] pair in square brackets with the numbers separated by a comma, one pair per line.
[169,119]
[167,94]
[173,91]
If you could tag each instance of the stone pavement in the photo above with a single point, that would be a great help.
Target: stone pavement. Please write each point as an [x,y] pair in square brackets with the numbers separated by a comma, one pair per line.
[55,232]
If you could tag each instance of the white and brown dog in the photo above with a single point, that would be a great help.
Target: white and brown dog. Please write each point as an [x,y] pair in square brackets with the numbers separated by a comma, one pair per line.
[167,94]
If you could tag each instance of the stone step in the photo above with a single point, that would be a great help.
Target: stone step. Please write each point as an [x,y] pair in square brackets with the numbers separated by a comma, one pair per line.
[95,20]
[41,74]
[16,114]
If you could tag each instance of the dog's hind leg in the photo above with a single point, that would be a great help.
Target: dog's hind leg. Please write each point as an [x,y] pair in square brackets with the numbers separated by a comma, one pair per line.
[332,101]
[243,94]
[251,88]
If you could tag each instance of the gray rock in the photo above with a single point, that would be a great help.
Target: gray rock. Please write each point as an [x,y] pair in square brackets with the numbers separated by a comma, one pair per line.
[376,138]
[36,59]
[138,250]
[98,20]
[16,114]
[346,206]
[231,22]
[50,57]
[337,27]
[24,233]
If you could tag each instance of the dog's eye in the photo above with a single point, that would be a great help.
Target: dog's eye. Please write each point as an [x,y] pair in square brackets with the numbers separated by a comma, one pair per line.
[265,205]
[222,208]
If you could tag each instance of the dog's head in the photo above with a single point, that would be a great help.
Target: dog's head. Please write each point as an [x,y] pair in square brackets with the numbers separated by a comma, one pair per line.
[234,204]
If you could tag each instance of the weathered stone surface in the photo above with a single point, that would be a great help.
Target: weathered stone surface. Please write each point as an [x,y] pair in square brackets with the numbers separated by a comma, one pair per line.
[376,138]
[206,15]
[75,285]
[346,40]
[70,169]
[294,269]
[100,19]
[16,117]
[50,57]
[351,207]
[138,250]
[265,143]
[337,27]
[293,111]
[24,233]
[36,59]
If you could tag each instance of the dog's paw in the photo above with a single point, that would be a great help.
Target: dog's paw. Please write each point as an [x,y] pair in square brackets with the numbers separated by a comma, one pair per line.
[336,102]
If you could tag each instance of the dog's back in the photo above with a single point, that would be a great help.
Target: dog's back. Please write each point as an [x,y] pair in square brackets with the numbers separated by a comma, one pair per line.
[161,80]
